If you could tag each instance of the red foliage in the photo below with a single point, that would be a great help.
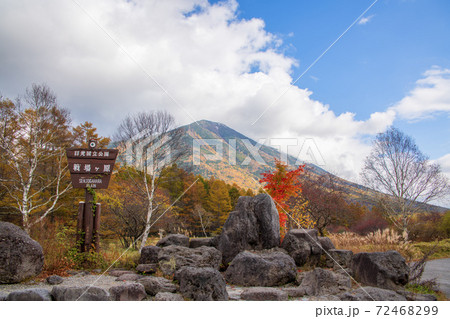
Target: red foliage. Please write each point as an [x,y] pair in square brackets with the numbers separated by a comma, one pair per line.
[281,185]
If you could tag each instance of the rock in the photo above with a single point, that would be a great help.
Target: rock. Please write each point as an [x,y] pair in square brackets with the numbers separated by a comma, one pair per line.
[326,243]
[130,291]
[54,280]
[303,245]
[72,272]
[345,272]
[168,296]
[254,225]
[324,298]
[172,258]
[20,256]
[149,255]
[340,257]
[201,284]
[198,242]
[295,292]
[324,282]
[264,294]
[371,294]
[423,297]
[411,296]
[234,292]
[381,269]
[153,285]
[263,269]
[33,294]
[174,239]
[119,272]
[87,293]
[129,277]
[3,296]
[147,268]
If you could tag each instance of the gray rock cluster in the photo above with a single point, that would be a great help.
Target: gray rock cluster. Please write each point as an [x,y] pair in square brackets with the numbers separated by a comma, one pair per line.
[248,248]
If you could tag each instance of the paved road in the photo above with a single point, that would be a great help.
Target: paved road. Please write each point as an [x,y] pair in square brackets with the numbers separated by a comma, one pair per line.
[439,269]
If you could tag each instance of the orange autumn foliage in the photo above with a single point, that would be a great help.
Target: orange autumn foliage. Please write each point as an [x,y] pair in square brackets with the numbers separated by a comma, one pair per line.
[281,185]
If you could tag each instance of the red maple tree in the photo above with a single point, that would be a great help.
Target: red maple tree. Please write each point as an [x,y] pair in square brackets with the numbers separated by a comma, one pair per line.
[281,184]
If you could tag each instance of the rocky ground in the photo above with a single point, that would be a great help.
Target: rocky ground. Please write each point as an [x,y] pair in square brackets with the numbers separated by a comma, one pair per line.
[245,262]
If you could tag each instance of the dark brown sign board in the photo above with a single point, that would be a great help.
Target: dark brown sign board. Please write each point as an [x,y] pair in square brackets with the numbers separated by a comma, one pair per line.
[91,167]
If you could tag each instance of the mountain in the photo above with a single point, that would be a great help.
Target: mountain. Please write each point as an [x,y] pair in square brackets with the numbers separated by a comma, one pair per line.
[208,139]
[241,166]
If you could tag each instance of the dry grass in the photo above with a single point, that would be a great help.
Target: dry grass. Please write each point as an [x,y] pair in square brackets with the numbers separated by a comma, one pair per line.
[114,253]
[376,241]
[54,240]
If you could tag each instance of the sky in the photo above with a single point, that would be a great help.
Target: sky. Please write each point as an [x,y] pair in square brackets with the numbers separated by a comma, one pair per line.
[332,72]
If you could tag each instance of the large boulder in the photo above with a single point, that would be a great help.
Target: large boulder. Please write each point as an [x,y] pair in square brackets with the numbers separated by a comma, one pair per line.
[381,269]
[154,285]
[129,291]
[87,293]
[149,255]
[172,258]
[254,225]
[20,256]
[264,269]
[264,294]
[33,294]
[339,258]
[324,282]
[174,239]
[201,284]
[326,243]
[371,294]
[198,242]
[303,245]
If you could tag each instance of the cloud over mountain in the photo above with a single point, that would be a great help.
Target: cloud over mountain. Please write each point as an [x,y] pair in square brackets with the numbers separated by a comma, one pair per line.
[197,60]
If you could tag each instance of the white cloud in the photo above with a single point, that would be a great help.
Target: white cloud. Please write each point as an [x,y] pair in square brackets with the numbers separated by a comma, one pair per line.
[365,20]
[217,67]
[430,96]
[444,162]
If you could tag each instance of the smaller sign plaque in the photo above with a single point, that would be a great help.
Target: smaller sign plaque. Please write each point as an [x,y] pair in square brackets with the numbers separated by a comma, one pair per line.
[93,181]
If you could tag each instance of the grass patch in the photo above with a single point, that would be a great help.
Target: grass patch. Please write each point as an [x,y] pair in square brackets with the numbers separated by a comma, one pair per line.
[442,250]
[427,287]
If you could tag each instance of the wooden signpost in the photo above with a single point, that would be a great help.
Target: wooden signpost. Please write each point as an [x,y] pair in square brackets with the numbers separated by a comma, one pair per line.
[90,169]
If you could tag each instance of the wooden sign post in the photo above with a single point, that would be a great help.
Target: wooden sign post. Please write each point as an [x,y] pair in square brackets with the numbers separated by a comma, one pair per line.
[90,169]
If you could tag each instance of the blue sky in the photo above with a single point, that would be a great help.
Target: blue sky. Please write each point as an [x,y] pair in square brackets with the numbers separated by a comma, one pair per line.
[374,64]
[234,62]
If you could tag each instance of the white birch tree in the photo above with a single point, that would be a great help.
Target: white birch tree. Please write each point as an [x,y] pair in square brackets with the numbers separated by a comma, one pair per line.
[150,142]
[32,148]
